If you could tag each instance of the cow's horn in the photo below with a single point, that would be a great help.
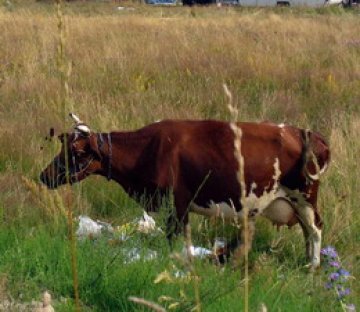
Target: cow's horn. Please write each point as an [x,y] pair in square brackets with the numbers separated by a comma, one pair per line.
[80,126]
[83,128]
[75,118]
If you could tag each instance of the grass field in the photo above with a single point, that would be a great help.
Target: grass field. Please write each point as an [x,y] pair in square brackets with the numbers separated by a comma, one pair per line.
[134,66]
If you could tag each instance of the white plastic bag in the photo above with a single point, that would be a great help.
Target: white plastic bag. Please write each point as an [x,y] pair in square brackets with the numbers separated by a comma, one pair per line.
[88,227]
[146,224]
[199,252]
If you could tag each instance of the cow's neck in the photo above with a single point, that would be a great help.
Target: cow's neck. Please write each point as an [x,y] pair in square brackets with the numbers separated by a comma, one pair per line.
[123,153]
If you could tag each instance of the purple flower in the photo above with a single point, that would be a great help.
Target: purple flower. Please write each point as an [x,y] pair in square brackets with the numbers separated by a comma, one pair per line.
[337,277]
[329,252]
[334,276]
[343,272]
[344,292]
[334,264]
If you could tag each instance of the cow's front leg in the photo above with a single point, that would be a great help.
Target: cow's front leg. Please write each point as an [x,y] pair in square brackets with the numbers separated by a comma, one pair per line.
[178,219]
[182,206]
[172,228]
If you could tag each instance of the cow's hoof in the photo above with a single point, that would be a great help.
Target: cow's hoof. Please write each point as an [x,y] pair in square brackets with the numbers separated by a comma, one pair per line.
[312,267]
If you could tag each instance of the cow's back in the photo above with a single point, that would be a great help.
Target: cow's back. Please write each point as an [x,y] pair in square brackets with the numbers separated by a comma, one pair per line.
[200,154]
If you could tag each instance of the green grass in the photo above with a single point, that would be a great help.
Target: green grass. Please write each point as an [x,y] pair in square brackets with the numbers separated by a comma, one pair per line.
[134,67]
[34,260]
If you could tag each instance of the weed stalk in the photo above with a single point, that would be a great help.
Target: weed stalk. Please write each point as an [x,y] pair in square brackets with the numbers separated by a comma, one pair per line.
[65,71]
[234,113]
[149,304]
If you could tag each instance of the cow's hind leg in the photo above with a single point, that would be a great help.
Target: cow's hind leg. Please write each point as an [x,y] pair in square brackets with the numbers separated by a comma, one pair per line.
[312,233]
[178,218]
[308,245]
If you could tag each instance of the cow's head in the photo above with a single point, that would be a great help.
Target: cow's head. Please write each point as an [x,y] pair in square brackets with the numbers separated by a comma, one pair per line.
[79,157]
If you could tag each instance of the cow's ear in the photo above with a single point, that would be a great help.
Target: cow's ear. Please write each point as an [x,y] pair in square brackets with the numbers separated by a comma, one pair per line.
[51,135]
[93,141]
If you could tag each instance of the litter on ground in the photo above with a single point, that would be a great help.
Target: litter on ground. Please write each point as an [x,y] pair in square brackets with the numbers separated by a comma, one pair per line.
[199,252]
[94,229]
[136,254]
[89,228]
[146,224]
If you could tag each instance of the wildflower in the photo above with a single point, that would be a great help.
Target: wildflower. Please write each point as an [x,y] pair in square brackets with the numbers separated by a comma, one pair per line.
[337,278]
[344,292]
[334,264]
[329,252]
[343,272]
[334,276]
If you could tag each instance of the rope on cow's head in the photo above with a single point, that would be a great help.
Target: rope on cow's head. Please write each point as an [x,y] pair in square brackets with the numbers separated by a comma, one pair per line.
[100,144]
[309,156]
[83,129]
[110,157]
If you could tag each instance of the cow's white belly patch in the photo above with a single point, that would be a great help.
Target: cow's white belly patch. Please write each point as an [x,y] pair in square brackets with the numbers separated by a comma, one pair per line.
[273,205]
[217,210]
[262,202]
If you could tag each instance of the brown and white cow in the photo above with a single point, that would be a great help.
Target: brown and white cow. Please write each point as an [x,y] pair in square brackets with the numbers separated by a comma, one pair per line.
[196,160]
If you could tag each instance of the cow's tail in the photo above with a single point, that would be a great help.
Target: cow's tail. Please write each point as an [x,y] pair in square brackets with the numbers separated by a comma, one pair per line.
[316,155]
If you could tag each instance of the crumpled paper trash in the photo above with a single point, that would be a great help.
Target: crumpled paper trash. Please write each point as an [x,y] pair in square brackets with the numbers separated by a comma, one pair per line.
[90,228]
[146,224]
[94,229]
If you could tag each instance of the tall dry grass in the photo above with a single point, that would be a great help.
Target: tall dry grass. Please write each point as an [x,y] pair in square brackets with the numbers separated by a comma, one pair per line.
[129,70]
